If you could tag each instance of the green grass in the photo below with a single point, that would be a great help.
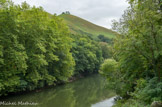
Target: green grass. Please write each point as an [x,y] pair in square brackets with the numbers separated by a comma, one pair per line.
[80,26]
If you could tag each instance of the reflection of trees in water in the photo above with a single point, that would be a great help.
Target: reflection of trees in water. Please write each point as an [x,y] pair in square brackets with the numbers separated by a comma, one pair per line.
[62,98]
[91,91]
[81,93]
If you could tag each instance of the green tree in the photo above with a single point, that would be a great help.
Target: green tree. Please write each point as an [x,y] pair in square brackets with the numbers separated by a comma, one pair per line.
[12,55]
[87,54]
[137,49]
[106,50]
[102,38]
[34,49]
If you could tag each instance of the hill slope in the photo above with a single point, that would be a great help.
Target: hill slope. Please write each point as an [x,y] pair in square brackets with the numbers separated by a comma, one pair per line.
[80,26]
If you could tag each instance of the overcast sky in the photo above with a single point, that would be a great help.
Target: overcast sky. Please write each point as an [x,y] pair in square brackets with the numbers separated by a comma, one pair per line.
[99,12]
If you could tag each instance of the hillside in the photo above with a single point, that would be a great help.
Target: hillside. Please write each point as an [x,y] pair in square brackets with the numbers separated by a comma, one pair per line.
[80,26]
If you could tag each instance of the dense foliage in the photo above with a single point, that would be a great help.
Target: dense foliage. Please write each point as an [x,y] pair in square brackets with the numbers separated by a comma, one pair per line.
[103,38]
[87,54]
[37,49]
[135,71]
[106,49]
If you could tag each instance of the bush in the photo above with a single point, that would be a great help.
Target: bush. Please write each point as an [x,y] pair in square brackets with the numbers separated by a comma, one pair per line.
[148,91]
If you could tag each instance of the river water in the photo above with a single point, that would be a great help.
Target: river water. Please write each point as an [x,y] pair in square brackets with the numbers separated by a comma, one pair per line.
[86,92]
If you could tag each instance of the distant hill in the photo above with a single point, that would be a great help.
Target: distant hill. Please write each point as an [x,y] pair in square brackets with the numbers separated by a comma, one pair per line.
[78,25]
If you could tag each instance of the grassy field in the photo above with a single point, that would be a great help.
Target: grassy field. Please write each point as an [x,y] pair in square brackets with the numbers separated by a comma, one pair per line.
[80,26]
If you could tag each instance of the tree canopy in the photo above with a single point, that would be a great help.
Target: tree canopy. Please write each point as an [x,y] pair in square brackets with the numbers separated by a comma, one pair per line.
[37,49]
[87,54]
[34,48]
[138,51]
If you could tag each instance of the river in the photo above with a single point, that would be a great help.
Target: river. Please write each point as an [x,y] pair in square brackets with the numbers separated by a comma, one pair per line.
[86,92]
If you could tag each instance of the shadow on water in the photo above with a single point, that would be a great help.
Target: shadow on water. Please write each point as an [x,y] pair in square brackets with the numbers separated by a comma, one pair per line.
[81,93]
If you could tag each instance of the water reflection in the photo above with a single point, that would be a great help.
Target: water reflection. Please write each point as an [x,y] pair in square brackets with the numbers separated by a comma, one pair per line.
[81,93]
[106,103]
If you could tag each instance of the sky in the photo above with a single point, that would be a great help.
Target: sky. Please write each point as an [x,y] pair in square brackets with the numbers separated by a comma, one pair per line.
[100,12]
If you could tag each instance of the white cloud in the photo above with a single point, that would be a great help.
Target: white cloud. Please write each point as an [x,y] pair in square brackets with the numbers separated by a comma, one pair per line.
[100,12]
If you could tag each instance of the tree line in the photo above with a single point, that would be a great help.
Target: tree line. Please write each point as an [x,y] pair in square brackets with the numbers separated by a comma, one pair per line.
[37,49]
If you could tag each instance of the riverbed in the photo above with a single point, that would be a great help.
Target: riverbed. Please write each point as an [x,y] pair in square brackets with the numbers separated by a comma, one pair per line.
[85,92]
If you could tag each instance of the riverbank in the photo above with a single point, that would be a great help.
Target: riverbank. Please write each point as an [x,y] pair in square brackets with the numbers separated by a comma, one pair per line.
[70,80]
[80,93]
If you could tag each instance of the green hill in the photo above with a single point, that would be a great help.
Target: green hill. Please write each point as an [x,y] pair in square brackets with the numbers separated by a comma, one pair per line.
[80,26]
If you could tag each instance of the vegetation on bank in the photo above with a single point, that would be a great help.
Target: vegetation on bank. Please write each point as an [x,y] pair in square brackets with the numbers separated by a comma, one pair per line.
[87,54]
[135,70]
[37,49]
[78,25]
